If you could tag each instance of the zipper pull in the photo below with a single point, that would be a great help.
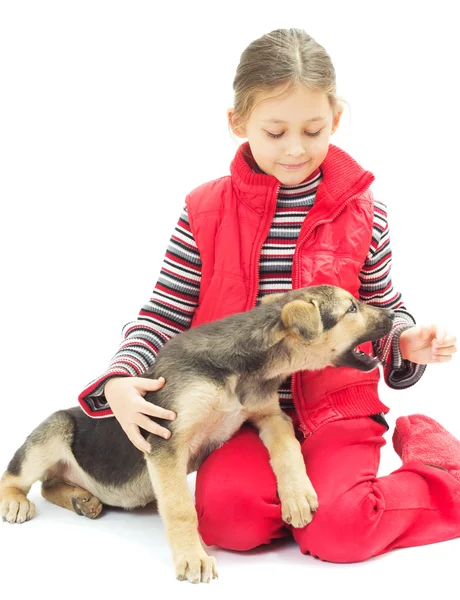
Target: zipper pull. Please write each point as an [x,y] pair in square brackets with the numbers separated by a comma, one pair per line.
[305,431]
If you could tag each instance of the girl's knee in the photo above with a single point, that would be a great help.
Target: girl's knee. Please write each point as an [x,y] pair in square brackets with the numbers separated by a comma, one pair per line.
[236,500]
[235,520]
[340,534]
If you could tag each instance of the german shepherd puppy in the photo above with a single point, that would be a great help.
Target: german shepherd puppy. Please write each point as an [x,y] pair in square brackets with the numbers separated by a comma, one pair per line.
[218,375]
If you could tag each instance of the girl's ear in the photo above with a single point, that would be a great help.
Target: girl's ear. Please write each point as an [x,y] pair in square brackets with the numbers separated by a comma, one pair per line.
[238,130]
[336,119]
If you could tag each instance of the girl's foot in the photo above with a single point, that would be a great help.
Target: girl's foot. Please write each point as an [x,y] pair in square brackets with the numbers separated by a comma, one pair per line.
[418,437]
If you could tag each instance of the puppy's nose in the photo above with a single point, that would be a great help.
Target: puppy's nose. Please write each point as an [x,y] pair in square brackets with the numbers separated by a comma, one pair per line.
[391,314]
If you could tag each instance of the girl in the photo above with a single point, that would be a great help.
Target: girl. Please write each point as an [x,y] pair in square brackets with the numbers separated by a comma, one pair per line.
[295,211]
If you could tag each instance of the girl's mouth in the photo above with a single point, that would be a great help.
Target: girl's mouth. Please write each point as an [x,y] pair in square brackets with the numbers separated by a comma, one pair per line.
[292,167]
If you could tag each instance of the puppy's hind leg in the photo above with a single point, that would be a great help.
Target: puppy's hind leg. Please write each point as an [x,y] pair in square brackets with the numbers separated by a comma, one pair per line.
[167,467]
[45,447]
[72,497]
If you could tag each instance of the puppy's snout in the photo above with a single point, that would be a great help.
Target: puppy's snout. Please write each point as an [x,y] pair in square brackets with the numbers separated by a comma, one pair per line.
[389,317]
[384,321]
[386,314]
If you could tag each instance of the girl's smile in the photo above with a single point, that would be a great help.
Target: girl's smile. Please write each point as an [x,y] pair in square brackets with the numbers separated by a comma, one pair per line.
[294,166]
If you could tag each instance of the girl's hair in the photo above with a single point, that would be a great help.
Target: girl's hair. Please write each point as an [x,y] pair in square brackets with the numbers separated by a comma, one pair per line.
[282,58]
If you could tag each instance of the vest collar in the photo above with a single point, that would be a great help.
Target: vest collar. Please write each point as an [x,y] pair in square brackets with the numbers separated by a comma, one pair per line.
[342,178]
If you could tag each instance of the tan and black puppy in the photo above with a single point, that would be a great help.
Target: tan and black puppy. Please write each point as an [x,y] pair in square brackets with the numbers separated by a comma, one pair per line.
[218,376]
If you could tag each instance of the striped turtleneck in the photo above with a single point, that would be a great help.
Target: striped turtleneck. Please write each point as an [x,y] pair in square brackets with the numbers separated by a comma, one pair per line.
[292,206]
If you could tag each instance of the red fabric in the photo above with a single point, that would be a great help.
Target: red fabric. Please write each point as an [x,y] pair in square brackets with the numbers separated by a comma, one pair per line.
[230,218]
[418,437]
[359,515]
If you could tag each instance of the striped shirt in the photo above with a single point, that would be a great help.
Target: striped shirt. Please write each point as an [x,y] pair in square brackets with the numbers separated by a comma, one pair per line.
[175,296]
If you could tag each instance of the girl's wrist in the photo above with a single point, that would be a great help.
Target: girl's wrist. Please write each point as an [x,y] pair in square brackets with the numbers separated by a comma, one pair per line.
[401,339]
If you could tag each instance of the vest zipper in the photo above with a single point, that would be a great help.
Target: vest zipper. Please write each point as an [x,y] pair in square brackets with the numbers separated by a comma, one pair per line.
[305,431]
[302,427]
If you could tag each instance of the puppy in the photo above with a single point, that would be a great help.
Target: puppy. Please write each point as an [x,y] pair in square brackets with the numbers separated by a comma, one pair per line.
[218,376]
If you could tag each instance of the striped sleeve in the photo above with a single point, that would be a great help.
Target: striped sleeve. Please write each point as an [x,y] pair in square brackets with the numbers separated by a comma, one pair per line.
[169,311]
[377,289]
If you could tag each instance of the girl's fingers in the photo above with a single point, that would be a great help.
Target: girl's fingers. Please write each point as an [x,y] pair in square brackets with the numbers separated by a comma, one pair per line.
[152,427]
[441,334]
[147,408]
[145,385]
[450,340]
[448,351]
[133,433]
[442,359]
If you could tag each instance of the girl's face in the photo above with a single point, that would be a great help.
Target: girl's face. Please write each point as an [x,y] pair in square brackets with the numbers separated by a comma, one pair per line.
[302,123]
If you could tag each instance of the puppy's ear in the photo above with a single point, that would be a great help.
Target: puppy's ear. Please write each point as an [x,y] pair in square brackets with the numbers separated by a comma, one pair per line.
[270,298]
[302,317]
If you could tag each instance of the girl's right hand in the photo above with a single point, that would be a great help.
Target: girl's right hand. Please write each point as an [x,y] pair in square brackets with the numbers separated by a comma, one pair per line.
[125,396]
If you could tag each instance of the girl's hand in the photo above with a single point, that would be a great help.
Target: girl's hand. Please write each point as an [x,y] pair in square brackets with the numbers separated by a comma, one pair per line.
[125,396]
[427,344]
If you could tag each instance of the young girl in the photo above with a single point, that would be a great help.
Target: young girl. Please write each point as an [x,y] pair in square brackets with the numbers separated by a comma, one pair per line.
[295,211]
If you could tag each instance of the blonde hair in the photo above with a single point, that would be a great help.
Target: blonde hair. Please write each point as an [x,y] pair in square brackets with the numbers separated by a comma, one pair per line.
[283,57]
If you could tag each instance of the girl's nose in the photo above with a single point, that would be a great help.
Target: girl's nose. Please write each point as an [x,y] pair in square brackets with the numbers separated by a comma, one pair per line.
[296,151]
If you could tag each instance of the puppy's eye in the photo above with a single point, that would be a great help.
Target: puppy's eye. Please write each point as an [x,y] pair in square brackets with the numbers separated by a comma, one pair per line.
[352,309]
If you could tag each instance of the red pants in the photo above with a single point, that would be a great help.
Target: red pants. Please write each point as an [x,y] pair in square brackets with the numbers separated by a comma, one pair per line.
[359,515]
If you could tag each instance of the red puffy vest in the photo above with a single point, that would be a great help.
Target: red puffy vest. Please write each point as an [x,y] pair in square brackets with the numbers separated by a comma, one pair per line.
[230,218]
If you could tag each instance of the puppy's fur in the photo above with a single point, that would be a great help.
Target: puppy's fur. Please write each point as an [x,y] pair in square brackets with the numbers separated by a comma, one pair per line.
[218,376]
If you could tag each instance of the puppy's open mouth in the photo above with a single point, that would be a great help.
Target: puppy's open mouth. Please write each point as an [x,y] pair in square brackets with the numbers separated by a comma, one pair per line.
[357,359]
[362,360]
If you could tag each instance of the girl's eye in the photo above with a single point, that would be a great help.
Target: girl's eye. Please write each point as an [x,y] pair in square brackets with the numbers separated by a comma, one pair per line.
[273,135]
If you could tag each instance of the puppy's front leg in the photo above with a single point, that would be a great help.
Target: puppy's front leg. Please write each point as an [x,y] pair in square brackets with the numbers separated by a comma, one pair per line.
[297,495]
[168,475]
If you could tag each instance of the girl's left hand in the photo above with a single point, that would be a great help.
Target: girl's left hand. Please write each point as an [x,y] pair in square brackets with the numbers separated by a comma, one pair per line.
[427,344]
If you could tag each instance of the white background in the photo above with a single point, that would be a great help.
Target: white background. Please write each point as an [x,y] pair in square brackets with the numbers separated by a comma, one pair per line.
[110,113]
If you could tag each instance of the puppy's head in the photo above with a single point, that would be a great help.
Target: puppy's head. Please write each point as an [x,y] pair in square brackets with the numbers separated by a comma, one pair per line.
[331,323]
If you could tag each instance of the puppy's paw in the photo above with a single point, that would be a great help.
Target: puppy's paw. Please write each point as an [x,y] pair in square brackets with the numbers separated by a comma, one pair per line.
[84,504]
[15,507]
[196,567]
[297,508]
